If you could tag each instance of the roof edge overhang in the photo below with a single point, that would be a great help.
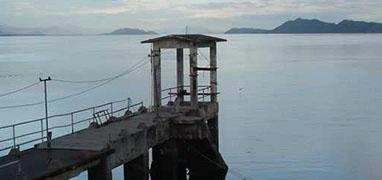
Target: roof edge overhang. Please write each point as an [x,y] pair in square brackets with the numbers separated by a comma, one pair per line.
[193,38]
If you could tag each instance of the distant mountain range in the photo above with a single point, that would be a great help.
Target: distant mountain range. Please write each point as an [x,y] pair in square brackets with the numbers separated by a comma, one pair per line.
[130,31]
[39,31]
[13,31]
[65,30]
[300,25]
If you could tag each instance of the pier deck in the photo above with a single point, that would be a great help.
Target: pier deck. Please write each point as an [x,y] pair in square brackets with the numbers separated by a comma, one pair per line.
[117,142]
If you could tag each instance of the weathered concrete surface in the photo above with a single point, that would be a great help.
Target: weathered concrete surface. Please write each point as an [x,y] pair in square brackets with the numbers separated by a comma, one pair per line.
[99,150]
[39,164]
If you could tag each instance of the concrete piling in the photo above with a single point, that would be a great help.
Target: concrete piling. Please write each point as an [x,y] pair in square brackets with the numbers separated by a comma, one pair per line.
[137,169]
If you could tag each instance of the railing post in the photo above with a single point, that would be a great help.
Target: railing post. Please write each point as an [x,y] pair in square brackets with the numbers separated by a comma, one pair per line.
[42,130]
[111,108]
[14,135]
[72,121]
[203,95]
[170,94]
[128,103]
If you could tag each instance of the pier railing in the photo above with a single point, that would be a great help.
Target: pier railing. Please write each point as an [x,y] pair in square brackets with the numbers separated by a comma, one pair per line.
[170,94]
[32,131]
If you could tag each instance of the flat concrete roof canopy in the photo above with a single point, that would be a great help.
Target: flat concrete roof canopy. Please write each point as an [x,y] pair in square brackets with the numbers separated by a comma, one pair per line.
[184,41]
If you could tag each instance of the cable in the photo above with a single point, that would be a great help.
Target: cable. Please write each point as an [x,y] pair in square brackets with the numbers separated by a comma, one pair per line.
[99,85]
[21,105]
[90,81]
[18,90]
[84,81]
[132,69]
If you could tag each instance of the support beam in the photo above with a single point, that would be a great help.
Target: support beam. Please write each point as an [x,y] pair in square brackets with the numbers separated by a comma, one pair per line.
[137,169]
[180,73]
[102,171]
[156,76]
[194,76]
[213,73]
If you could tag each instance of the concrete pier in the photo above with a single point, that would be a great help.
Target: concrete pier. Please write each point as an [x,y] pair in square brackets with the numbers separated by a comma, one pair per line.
[125,141]
[183,135]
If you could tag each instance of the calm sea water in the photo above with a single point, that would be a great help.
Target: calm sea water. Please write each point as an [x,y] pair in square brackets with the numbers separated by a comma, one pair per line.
[291,106]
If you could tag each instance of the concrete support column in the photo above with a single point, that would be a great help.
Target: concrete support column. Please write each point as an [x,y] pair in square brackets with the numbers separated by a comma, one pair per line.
[156,76]
[213,74]
[205,162]
[213,126]
[194,76]
[100,172]
[166,164]
[180,73]
[137,169]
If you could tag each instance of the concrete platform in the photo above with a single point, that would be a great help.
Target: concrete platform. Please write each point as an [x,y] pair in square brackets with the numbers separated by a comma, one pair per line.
[40,164]
[116,143]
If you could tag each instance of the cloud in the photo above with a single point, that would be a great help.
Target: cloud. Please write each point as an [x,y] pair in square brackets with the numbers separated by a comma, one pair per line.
[156,14]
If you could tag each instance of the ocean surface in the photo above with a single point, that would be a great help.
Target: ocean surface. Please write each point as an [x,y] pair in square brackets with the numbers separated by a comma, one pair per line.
[291,106]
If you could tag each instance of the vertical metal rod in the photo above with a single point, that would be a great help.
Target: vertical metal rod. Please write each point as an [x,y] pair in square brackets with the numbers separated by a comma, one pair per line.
[72,122]
[128,103]
[14,135]
[203,95]
[93,110]
[42,129]
[46,107]
[170,94]
[111,108]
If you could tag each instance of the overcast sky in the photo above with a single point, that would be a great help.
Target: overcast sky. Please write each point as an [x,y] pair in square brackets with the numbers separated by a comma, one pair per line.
[174,15]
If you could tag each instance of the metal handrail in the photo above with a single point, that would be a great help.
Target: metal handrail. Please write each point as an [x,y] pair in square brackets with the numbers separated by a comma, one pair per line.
[185,86]
[201,88]
[16,137]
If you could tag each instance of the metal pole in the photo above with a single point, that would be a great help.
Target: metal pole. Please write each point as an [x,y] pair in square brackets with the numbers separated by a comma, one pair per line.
[46,109]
